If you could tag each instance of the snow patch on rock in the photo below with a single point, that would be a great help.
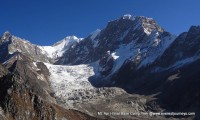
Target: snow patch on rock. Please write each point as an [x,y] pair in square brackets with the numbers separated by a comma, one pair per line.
[95,33]
[128,16]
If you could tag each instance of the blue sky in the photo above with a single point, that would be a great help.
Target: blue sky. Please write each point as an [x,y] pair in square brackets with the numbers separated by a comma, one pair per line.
[45,22]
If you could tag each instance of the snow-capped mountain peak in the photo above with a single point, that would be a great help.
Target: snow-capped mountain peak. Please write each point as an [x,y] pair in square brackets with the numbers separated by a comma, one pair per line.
[57,49]
[148,25]
[67,40]
[128,16]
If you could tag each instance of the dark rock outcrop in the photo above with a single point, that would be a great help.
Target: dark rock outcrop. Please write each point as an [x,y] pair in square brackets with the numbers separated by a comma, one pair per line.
[3,71]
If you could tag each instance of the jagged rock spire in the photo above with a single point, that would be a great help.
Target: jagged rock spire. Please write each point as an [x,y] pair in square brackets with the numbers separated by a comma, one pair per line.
[6,36]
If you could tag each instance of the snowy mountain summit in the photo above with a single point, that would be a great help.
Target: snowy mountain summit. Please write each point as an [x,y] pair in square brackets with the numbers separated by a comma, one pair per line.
[57,49]
[128,16]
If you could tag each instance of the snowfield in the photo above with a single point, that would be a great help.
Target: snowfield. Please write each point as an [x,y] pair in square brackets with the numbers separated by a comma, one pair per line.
[71,84]
[66,79]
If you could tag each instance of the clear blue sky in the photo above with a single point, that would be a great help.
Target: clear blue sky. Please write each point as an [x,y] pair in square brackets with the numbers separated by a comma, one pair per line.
[45,22]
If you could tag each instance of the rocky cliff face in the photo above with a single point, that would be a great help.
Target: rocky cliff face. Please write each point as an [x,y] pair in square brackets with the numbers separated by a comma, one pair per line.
[10,44]
[3,71]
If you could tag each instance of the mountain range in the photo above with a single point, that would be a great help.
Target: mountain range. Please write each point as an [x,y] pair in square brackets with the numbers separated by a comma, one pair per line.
[132,65]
